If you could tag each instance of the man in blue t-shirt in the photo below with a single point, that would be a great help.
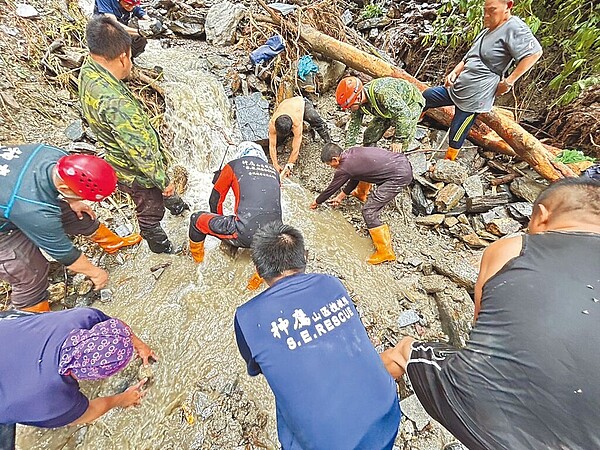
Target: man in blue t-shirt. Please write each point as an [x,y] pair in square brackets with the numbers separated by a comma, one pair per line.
[45,355]
[332,390]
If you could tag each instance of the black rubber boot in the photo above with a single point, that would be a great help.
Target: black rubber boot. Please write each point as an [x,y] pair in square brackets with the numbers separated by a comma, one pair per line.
[175,204]
[157,240]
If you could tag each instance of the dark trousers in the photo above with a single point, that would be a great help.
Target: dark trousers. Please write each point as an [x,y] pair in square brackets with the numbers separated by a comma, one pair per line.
[225,228]
[377,200]
[312,117]
[461,122]
[23,265]
[138,45]
[7,436]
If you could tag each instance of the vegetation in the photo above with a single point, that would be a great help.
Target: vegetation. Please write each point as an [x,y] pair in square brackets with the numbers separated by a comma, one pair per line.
[567,29]
[371,11]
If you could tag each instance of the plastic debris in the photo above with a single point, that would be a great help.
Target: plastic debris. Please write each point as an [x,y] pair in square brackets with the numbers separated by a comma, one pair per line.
[283,8]
[306,66]
[408,318]
[274,45]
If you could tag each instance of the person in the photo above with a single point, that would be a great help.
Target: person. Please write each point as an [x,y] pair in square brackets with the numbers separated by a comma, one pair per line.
[123,128]
[40,204]
[527,376]
[256,187]
[288,120]
[50,353]
[480,77]
[391,102]
[304,335]
[389,171]
[121,11]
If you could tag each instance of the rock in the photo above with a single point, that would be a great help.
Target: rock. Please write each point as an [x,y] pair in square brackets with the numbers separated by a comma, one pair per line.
[520,211]
[456,309]
[8,99]
[498,212]
[449,172]
[252,115]
[455,268]
[418,162]
[448,197]
[27,11]
[486,202]
[473,186]
[502,227]
[75,130]
[407,318]
[221,22]
[192,27]
[421,204]
[473,240]
[330,73]
[450,221]
[432,220]
[461,229]
[375,22]
[411,407]
[216,62]
[526,188]
[463,219]
[81,284]
[56,292]
[347,17]
[433,283]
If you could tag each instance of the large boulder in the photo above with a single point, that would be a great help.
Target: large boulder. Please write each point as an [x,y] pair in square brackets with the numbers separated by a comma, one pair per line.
[222,21]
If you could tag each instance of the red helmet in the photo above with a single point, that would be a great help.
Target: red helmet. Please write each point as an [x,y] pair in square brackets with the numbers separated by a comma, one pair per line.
[348,91]
[88,176]
[132,2]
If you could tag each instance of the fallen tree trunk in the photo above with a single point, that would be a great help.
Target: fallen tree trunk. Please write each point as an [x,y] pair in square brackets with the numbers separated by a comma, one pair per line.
[507,137]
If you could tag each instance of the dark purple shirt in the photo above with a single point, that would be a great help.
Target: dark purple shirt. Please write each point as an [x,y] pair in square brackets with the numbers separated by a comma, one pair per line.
[31,390]
[371,164]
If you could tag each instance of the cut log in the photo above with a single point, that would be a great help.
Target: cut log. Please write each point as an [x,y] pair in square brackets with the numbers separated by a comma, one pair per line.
[507,136]
[486,202]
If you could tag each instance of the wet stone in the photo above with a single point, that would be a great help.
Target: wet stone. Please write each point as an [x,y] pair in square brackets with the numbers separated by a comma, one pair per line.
[252,114]
[502,227]
[433,283]
[432,220]
[411,407]
[526,188]
[448,197]
[473,186]
[217,62]
[419,163]
[56,292]
[74,131]
[520,211]
[421,204]
[449,172]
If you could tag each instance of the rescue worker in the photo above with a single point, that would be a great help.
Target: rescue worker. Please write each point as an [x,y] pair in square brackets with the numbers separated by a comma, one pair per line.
[391,102]
[256,187]
[527,377]
[305,336]
[123,128]
[40,203]
[122,11]
[389,171]
[288,120]
[50,353]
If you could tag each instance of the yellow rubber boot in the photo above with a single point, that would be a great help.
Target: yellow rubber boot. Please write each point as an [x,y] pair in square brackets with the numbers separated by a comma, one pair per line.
[197,250]
[383,244]
[362,191]
[254,282]
[111,242]
[451,153]
[40,307]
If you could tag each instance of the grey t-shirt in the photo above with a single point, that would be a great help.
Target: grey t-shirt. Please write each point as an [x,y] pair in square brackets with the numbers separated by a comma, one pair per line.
[476,85]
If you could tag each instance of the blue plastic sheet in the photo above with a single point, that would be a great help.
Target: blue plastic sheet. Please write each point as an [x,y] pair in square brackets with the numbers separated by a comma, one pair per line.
[306,66]
[274,45]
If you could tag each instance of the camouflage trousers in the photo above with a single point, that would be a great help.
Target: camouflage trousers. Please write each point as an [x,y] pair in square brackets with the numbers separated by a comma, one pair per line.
[379,125]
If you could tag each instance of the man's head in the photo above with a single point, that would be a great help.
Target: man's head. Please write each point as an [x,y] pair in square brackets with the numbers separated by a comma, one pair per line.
[278,251]
[283,126]
[84,177]
[129,5]
[109,45]
[349,93]
[331,155]
[97,353]
[495,12]
[571,203]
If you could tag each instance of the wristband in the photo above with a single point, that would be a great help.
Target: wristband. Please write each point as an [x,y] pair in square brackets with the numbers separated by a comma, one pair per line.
[289,166]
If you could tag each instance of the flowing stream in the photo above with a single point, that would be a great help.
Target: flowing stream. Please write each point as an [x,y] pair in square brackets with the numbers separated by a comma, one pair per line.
[201,396]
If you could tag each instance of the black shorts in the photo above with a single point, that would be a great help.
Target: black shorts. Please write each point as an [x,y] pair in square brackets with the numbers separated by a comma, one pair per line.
[424,370]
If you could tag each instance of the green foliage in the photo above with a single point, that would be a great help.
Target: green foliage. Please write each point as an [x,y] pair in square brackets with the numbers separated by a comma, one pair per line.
[371,11]
[570,156]
[572,27]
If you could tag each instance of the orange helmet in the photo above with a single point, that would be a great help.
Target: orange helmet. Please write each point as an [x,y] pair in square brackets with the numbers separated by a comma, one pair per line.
[348,91]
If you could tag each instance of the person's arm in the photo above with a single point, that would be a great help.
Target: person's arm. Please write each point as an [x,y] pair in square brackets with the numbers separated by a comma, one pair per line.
[220,189]
[273,145]
[495,258]
[101,405]
[143,350]
[296,143]
[83,265]
[354,128]
[395,359]
[339,179]
[131,31]
[523,66]
[453,75]
[133,133]
[251,364]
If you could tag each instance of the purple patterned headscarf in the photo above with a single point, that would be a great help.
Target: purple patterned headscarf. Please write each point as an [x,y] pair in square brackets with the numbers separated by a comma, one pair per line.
[96,353]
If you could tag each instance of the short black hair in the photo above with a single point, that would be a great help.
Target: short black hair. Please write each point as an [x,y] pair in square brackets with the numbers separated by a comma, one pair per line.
[107,38]
[283,125]
[574,196]
[277,248]
[330,151]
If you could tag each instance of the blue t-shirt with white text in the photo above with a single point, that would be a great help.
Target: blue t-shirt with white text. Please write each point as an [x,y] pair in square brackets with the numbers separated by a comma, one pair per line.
[113,7]
[331,388]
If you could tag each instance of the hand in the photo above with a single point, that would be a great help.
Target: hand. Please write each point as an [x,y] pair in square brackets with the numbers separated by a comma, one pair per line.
[337,200]
[396,147]
[284,173]
[314,205]
[450,79]
[503,87]
[133,395]
[169,190]
[143,350]
[80,207]
[278,168]
[99,278]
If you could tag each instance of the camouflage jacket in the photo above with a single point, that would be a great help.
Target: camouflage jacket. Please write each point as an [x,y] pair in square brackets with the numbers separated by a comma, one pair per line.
[122,127]
[388,98]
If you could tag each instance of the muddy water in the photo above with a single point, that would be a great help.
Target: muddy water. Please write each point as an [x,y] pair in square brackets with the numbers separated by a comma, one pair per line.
[200,396]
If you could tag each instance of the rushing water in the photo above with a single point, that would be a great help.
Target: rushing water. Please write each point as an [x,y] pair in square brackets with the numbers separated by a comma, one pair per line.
[201,396]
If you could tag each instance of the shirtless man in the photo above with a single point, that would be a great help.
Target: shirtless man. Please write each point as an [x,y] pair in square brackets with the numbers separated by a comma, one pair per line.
[288,120]
[527,376]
